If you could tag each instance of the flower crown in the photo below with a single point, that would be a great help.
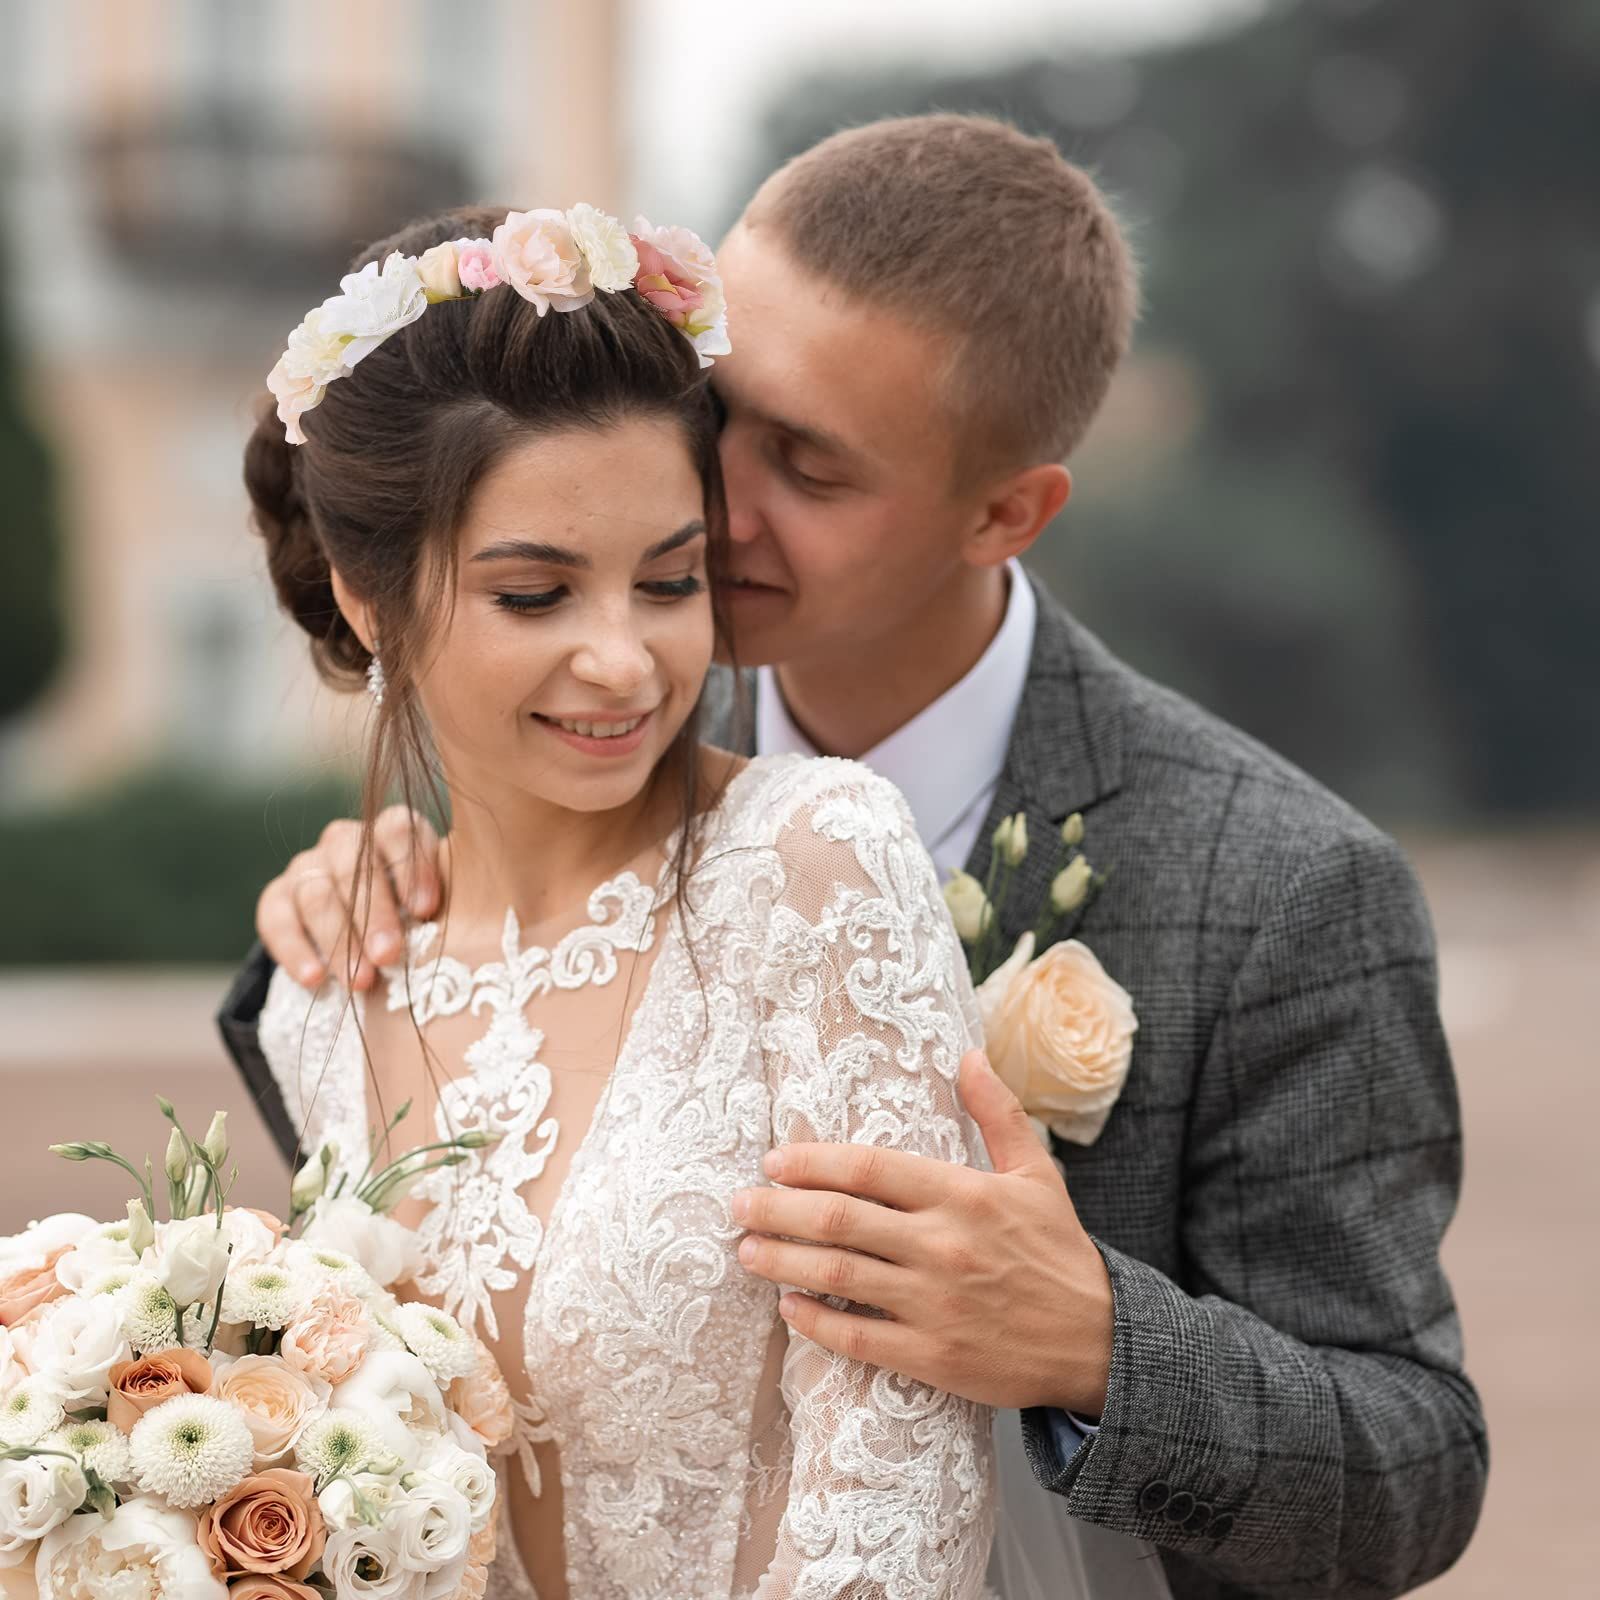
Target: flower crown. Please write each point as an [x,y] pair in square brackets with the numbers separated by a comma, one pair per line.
[556,259]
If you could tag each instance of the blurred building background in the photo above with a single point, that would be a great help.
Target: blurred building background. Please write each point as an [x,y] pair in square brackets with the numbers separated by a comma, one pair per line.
[1344,493]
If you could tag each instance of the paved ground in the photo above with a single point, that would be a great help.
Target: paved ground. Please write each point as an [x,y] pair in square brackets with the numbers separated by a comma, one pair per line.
[81,1056]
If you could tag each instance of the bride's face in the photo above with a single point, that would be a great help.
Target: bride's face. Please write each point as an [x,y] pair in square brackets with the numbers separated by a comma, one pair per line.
[581,630]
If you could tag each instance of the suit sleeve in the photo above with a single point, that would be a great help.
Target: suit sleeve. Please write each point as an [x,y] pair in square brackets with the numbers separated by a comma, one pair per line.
[1295,1419]
[239,1022]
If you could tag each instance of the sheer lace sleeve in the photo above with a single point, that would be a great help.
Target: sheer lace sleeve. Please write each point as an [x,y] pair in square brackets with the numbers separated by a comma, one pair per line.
[866,1012]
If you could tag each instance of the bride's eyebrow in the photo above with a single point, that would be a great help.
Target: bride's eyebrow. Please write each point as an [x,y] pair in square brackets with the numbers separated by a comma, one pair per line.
[555,555]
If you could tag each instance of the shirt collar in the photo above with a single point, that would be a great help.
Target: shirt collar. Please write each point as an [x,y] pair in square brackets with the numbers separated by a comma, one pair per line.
[952,752]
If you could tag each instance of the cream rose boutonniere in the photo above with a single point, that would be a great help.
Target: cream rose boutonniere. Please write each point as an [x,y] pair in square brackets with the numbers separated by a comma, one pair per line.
[1058,1028]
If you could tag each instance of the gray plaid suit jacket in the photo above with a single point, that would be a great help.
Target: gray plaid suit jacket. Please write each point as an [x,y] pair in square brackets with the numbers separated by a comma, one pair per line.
[1287,1413]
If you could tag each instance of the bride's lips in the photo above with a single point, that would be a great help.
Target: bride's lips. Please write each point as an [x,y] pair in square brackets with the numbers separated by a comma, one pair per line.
[751,594]
[623,744]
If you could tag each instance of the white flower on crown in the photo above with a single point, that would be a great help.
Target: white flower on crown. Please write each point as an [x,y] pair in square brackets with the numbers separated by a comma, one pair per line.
[706,326]
[373,303]
[537,255]
[315,357]
[604,244]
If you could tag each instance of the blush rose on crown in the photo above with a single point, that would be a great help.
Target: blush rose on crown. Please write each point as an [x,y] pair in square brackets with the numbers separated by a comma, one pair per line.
[221,1403]
[1057,1027]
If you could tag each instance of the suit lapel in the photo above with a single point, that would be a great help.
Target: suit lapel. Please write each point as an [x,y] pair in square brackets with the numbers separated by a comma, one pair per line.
[1065,753]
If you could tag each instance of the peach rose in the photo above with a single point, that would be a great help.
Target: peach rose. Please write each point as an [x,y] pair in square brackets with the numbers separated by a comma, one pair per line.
[140,1386]
[275,1399]
[329,1338]
[482,1400]
[269,1523]
[1059,1032]
[271,1586]
[26,1288]
[536,254]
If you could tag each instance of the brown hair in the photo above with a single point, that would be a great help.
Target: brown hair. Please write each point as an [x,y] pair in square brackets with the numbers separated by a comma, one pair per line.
[395,451]
[967,227]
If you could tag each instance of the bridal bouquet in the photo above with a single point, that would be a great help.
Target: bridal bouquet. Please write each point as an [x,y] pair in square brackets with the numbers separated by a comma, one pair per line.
[224,1405]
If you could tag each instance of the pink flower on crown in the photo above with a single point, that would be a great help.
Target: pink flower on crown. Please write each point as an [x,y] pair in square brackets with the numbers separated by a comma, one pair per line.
[475,264]
[536,254]
[678,275]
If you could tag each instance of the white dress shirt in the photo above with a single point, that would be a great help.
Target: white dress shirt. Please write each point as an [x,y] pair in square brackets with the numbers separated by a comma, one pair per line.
[947,762]
[948,758]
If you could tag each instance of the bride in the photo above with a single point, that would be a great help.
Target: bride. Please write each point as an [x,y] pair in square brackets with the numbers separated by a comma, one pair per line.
[490,490]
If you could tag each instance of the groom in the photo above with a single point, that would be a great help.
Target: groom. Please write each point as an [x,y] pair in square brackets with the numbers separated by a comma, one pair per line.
[1225,1321]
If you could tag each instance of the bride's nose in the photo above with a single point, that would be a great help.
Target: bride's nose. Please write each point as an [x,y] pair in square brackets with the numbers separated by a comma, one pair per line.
[614,656]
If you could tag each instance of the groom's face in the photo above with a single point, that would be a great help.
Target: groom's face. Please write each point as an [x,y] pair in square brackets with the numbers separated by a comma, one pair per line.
[837,452]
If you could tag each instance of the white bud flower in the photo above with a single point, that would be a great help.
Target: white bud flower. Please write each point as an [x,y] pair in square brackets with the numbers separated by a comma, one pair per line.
[141,1229]
[177,1162]
[1071,886]
[1072,831]
[969,906]
[215,1143]
[309,1182]
[1011,840]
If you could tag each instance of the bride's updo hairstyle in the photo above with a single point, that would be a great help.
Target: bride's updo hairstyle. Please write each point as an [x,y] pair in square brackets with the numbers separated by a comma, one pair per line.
[394,451]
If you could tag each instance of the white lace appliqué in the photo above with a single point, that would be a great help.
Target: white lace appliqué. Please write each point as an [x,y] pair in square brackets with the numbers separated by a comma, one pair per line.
[478,1232]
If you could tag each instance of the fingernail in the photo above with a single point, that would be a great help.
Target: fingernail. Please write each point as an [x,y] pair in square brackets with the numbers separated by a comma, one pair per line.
[772,1161]
[419,904]
[309,974]
[787,1304]
[383,945]
[740,1206]
[747,1251]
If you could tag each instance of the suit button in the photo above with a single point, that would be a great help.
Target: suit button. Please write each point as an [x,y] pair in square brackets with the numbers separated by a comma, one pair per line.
[1179,1506]
[1199,1519]
[1154,1496]
[1221,1526]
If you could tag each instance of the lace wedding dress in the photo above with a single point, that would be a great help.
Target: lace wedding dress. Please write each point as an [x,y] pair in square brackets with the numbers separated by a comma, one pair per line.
[674,1440]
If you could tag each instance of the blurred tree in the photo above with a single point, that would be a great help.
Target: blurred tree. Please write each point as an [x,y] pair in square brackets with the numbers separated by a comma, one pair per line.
[1369,227]
[32,629]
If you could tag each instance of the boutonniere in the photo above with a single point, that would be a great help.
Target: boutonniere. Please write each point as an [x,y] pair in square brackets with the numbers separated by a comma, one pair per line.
[1058,1028]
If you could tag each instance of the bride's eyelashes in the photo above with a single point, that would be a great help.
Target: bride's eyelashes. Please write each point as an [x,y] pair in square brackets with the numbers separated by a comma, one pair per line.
[660,589]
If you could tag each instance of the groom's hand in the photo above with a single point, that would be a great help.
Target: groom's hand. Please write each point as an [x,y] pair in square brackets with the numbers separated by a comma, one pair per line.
[989,1286]
[303,916]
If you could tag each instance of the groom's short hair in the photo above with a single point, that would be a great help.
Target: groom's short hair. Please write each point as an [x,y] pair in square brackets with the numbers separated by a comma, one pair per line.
[970,228]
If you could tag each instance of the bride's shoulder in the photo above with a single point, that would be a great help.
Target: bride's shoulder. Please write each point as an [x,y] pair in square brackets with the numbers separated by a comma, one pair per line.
[772,796]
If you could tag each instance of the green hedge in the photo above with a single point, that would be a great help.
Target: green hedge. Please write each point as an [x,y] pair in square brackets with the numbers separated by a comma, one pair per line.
[164,867]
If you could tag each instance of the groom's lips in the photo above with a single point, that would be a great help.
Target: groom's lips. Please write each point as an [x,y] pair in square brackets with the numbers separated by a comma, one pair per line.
[747,589]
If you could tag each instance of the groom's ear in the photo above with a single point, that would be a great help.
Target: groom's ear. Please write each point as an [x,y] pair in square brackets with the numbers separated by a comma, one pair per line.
[1015,511]
[351,608]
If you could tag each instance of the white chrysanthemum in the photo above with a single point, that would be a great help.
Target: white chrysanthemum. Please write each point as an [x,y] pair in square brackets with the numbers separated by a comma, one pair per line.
[112,1281]
[438,1341]
[191,1450]
[149,1313]
[30,1410]
[268,1294]
[100,1446]
[325,1264]
[384,1335]
[341,1441]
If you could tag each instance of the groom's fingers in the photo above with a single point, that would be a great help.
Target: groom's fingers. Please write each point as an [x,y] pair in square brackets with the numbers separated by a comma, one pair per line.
[409,850]
[891,1177]
[281,931]
[842,1273]
[1008,1135]
[873,1340]
[822,1218]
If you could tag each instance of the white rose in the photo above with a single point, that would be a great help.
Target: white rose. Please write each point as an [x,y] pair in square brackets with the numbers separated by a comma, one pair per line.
[362,1564]
[141,1548]
[604,244]
[433,1525]
[77,1344]
[28,1250]
[189,1259]
[397,1396]
[372,304]
[468,1474]
[251,1238]
[36,1494]
[383,1246]
[95,1256]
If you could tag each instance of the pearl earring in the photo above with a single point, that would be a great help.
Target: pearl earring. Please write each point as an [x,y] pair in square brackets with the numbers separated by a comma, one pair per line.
[376,682]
